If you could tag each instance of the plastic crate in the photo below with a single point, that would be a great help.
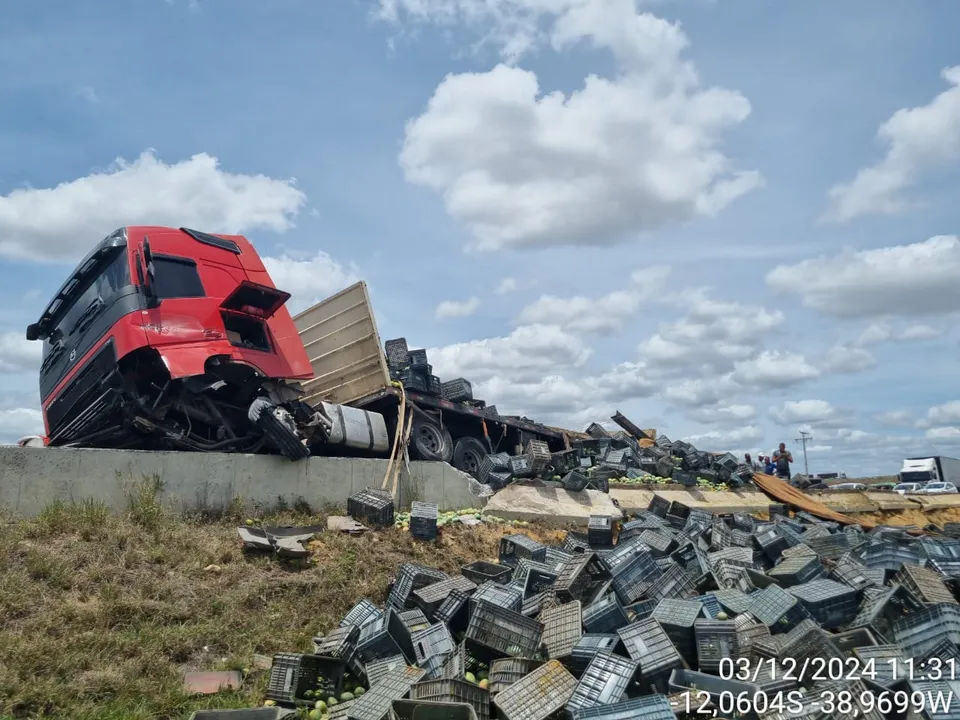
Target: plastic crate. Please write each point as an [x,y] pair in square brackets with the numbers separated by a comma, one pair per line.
[454,691]
[881,607]
[660,542]
[715,640]
[653,707]
[562,629]
[925,584]
[362,613]
[808,640]
[588,646]
[574,481]
[263,713]
[732,601]
[677,618]
[828,547]
[427,710]
[515,547]
[539,453]
[396,351]
[600,531]
[402,626]
[417,358]
[919,631]
[520,466]
[454,612]
[579,576]
[683,680]
[505,596]
[675,582]
[371,506]
[379,669]
[480,572]
[377,701]
[538,695]
[890,556]
[796,570]
[295,678]
[497,462]
[337,644]
[410,578]
[506,671]
[457,390]
[423,520]
[847,640]
[631,578]
[504,632]
[829,602]
[777,609]
[376,642]
[649,644]
[606,615]
[858,576]
[431,597]
[604,682]
[432,641]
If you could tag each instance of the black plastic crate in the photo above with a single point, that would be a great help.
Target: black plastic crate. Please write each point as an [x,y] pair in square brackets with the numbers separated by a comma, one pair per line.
[515,547]
[362,613]
[498,462]
[562,629]
[715,640]
[410,578]
[537,581]
[480,572]
[414,379]
[454,611]
[303,679]
[604,681]
[600,531]
[505,596]
[921,630]
[431,642]
[829,602]
[520,466]
[828,547]
[579,576]
[456,390]
[677,618]
[430,598]
[337,644]
[262,713]
[376,642]
[683,680]
[777,609]
[371,506]
[504,632]
[402,626]
[423,520]
[858,576]
[648,643]
[588,646]
[606,615]
[659,541]
[632,577]
[575,481]
[808,640]
[396,351]
[675,582]
[538,452]
[454,691]
[925,584]
[417,358]
[429,710]
[506,671]
[796,570]
[537,696]
[659,506]
[377,701]
[564,461]
[653,707]
[881,607]
[777,509]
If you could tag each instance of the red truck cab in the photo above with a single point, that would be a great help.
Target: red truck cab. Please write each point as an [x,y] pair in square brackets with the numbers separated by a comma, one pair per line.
[171,334]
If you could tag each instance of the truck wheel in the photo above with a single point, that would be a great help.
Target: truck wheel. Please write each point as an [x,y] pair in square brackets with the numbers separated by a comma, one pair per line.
[430,441]
[279,427]
[468,453]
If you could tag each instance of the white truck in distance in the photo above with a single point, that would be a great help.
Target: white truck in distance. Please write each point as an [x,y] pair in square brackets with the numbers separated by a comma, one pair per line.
[930,469]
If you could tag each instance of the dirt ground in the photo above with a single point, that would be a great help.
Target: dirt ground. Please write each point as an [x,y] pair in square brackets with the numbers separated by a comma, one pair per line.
[103,614]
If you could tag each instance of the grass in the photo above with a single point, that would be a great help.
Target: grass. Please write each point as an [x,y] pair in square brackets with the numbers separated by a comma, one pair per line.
[103,613]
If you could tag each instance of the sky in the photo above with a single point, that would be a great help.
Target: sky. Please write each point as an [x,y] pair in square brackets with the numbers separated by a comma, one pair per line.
[731,221]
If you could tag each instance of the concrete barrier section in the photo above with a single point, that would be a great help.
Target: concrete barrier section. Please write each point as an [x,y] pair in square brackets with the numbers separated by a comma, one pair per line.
[33,478]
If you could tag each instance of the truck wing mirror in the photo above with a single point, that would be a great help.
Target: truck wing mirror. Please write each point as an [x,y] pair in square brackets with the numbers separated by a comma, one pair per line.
[33,332]
[146,276]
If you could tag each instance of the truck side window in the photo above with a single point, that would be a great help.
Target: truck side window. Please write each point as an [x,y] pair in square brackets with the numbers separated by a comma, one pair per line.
[177,278]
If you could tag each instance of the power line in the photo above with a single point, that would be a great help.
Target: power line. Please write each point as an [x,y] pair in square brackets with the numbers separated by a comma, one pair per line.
[804,438]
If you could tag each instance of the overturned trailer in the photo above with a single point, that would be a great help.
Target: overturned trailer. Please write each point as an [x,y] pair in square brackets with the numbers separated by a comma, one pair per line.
[167,338]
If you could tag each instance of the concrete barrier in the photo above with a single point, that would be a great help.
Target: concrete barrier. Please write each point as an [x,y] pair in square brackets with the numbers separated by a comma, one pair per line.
[33,478]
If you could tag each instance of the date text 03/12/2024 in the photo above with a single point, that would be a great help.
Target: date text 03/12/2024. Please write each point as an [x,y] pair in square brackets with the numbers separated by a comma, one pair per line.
[848,703]
[821,669]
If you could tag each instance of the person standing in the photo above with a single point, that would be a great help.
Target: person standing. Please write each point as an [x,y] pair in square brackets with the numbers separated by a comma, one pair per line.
[782,459]
[749,462]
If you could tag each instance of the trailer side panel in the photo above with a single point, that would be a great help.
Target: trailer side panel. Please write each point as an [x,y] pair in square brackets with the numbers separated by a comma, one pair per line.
[343,344]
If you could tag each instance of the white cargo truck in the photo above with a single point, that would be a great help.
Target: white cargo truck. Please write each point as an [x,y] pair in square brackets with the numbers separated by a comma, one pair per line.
[930,469]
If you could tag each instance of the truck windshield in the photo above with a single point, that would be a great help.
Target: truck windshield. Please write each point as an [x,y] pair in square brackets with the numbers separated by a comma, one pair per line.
[85,304]
[915,476]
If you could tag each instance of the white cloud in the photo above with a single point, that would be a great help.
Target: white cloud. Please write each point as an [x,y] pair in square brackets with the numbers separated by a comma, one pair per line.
[819,448]
[774,369]
[17,354]
[88,93]
[818,413]
[903,280]
[527,354]
[895,418]
[882,332]
[602,315]
[309,280]
[843,359]
[520,166]
[943,433]
[62,223]
[457,308]
[506,285]
[719,440]
[946,414]
[919,139]
[16,423]
[723,414]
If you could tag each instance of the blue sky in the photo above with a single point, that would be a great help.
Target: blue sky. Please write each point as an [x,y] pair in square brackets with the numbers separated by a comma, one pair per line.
[717,222]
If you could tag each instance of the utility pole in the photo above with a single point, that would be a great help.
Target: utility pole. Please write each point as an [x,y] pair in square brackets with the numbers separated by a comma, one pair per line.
[804,438]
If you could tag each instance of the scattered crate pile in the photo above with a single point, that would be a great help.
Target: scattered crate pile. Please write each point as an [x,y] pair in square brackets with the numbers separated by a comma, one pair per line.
[640,620]
[615,457]
[413,369]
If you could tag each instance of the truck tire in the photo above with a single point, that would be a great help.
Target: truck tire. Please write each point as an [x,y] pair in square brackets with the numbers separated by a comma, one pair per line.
[468,453]
[279,427]
[430,441]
